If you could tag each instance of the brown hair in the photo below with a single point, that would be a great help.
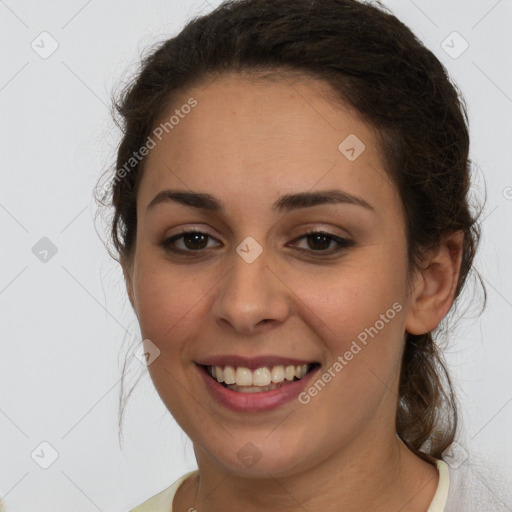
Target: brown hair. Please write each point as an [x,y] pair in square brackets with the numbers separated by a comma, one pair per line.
[373,63]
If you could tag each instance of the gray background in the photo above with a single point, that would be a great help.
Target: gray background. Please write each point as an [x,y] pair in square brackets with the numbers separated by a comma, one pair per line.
[66,321]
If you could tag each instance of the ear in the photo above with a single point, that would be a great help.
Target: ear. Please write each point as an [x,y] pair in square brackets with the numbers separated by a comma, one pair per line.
[435,285]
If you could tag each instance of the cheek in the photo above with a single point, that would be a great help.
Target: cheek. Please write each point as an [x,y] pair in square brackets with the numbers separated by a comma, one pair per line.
[364,339]
[348,300]
[358,314]
[169,305]
[166,296]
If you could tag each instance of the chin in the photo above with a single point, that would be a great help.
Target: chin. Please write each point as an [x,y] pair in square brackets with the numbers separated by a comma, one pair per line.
[259,460]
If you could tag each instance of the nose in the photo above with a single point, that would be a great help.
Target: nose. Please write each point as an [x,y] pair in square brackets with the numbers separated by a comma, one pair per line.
[251,298]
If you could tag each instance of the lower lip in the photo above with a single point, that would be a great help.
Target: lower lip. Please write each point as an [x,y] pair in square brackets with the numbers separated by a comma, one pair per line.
[255,402]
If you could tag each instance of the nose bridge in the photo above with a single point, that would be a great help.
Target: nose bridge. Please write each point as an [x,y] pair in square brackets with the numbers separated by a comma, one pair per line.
[250,295]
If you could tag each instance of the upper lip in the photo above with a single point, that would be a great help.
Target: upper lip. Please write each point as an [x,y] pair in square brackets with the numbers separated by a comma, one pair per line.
[252,362]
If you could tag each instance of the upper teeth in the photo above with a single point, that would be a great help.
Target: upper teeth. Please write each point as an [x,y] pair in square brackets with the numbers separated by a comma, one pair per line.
[260,377]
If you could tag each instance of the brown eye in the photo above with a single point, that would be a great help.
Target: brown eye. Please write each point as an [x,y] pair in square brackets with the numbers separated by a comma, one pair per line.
[188,241]
[320,242]
[195,240]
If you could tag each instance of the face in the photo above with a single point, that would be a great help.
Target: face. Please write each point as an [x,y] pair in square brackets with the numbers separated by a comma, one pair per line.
[252,283]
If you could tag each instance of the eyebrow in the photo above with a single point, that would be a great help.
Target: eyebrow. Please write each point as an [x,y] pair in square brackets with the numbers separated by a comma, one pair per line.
[286,202]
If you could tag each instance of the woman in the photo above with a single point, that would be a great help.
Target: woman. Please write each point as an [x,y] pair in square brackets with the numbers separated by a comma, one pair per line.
[292,221]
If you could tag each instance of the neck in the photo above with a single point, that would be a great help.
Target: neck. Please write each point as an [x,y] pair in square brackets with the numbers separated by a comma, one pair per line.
[359,477]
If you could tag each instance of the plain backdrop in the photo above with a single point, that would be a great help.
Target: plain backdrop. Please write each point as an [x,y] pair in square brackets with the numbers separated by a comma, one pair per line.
[64,313]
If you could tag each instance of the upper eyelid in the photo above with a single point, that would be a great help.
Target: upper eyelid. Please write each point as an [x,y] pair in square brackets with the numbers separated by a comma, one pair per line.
[308,231]
[311,231]
[311,228]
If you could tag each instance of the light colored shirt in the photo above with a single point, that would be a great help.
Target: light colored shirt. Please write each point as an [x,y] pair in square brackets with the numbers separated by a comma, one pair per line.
[458,490]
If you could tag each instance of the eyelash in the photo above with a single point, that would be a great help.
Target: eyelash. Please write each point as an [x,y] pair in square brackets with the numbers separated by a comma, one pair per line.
[343,243]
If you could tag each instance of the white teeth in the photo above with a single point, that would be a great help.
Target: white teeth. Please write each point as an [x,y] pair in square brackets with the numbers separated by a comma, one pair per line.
[289,373]
[229,375]
[300,371]
[243,376]
[261,377]
[277,374]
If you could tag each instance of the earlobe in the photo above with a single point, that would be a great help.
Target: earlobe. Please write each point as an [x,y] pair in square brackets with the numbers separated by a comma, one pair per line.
[435,285]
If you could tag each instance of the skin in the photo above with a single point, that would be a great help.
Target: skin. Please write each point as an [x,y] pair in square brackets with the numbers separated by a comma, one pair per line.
[247,143]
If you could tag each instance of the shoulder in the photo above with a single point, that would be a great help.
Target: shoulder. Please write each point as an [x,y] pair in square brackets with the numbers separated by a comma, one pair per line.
[162,502]
[474,488]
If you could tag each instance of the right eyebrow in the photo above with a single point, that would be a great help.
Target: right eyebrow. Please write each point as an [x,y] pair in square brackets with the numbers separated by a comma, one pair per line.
[286,202]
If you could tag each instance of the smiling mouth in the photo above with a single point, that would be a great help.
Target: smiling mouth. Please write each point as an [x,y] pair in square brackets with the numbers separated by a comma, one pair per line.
[265,378]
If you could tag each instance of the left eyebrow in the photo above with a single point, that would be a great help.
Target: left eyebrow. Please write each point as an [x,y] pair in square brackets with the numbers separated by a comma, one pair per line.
[306,199]
[286,202]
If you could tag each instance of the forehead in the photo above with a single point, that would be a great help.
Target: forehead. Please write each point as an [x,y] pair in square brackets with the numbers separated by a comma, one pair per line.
[263,138]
